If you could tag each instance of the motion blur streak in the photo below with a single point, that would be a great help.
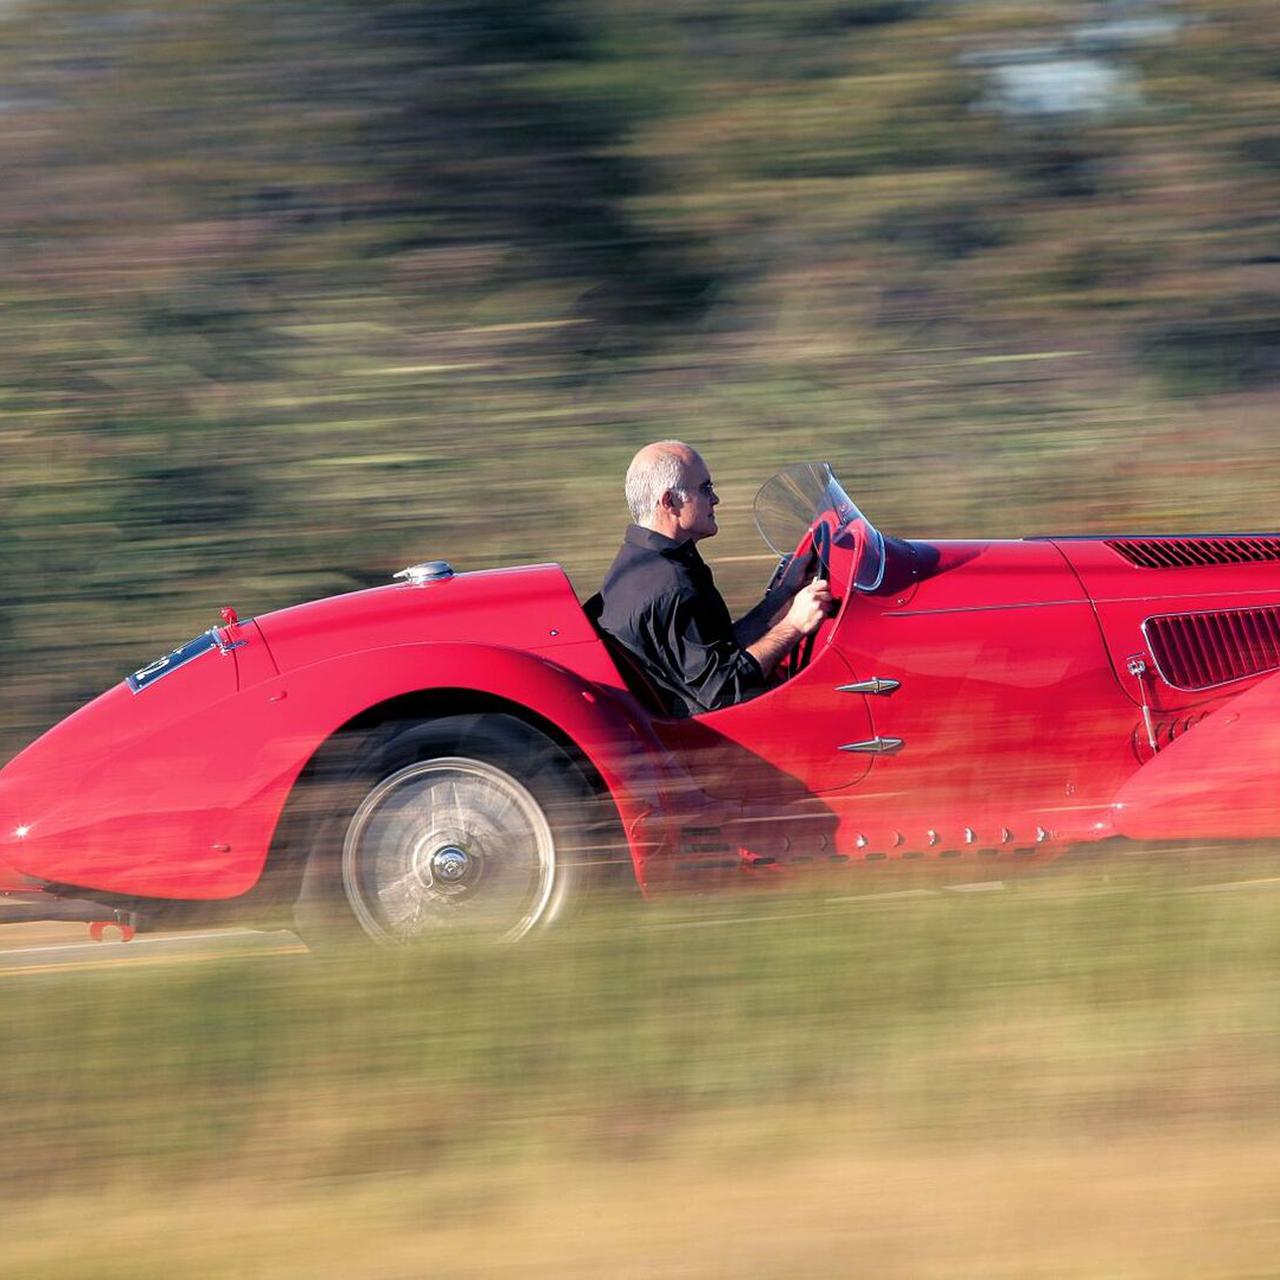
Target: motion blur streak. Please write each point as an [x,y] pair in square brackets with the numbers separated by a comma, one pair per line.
[1077,1077]
[297,293]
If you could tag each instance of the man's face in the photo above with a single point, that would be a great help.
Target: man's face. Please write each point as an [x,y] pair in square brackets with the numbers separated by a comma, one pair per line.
[696,516]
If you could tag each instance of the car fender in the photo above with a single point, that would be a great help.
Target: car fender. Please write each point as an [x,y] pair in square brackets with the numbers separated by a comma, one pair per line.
[612,735]
[205,831]
[1218,780]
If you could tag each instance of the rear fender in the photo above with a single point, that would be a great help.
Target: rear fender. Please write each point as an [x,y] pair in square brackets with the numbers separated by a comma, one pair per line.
[1219,780]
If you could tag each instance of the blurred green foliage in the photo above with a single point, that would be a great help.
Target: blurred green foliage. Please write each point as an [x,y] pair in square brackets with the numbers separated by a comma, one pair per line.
[297,293]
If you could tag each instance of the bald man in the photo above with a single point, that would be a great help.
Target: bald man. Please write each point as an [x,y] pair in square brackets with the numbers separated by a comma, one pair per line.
[660,600]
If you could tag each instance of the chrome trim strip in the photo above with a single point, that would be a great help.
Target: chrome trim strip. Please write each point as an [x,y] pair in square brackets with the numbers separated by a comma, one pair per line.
[876,746]
[1057,604]
[989,608]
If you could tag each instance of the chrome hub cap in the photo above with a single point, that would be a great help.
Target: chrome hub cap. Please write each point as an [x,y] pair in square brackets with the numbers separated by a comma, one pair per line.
[448,843]
[450,864]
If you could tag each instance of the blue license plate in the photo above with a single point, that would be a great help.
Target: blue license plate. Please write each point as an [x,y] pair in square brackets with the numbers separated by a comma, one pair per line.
[171,661]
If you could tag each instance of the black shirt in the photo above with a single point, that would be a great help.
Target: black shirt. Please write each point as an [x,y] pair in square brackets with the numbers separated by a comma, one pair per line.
[661,602]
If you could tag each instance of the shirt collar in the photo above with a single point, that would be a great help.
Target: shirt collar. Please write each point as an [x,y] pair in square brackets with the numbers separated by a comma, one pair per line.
[638,536]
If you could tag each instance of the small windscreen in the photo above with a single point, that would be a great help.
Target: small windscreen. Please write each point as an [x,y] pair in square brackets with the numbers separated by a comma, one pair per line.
[789,504]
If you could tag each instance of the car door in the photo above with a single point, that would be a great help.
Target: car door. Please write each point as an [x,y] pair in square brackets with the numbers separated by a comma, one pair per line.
[791,742]
[1009,726]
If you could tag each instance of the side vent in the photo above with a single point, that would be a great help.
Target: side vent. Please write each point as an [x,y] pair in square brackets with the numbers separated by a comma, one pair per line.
[1200,650]
[1183,553]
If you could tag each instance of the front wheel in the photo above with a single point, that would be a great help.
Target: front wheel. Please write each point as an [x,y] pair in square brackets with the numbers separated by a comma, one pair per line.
[475,823]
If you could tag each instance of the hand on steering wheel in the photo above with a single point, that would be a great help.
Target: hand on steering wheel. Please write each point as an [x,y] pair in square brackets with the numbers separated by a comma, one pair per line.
[811,560]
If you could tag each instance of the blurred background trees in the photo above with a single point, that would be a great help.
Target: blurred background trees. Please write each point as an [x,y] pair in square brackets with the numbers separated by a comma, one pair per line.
[299,291]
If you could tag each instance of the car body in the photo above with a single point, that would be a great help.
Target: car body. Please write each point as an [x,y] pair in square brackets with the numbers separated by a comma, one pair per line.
[969,702]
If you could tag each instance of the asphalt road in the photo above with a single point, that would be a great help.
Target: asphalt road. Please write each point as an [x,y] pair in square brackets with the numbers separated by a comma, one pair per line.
[53,948]
[34,949]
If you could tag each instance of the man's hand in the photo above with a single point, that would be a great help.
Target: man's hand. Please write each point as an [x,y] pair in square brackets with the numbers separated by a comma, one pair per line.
[803,618]
[812,603]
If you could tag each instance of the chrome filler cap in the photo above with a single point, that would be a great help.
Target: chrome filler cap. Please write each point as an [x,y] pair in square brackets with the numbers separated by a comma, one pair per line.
[417,575]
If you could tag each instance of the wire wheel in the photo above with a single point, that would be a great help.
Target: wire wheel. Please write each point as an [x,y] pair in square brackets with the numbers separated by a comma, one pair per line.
[448,843]
[475,823]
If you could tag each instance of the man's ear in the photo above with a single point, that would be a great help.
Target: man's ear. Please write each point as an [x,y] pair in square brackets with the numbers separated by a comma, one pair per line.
[670,501]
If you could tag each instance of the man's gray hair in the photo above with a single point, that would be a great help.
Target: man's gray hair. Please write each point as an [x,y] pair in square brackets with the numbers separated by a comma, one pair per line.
[648,478]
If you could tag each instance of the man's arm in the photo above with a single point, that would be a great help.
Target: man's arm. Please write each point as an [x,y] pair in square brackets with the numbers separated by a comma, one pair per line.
[805,615]
[768,613]
[794,573]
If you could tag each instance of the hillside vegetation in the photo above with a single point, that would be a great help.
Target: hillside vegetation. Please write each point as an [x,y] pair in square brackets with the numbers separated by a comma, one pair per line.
[296,293]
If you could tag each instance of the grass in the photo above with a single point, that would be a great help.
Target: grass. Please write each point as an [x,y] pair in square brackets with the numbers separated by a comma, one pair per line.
[1077,1021]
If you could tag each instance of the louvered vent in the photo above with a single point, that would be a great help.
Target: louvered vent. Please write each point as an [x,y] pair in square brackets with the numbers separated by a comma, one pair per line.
[1181,553]
[1200,650]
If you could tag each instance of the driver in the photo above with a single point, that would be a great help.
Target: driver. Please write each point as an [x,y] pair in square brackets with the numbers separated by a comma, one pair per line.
[660,600]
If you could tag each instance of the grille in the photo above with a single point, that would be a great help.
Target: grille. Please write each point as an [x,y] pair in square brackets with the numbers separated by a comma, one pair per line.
[1181,553]
[1200,650]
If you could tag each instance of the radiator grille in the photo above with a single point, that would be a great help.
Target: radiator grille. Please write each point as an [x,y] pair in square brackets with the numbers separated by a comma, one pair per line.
[1200,650]
[1181,553]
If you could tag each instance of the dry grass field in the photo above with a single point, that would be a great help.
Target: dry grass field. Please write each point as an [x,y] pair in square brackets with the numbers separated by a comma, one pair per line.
[755,1196]
[1074,1077]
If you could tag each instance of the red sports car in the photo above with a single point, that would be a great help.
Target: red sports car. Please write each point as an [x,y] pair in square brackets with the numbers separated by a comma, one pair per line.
[467,750]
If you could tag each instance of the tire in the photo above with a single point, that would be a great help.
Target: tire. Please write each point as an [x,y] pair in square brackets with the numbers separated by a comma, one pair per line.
[478,823]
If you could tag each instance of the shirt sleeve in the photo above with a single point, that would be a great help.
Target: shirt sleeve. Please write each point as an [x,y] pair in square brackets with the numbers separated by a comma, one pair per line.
[713,669]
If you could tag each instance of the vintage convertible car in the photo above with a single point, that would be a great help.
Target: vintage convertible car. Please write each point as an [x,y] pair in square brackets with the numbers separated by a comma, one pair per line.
[467,750]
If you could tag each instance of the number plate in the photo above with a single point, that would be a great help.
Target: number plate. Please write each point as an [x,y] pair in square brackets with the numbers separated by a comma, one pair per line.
[171,661]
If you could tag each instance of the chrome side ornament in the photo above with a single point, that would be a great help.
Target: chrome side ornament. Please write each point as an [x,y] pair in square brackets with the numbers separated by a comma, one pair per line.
[1137,668]
[877,684]
[876,746]
[417,575]
[228,637]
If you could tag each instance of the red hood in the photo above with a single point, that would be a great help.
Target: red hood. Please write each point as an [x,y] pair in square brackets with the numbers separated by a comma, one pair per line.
[1171,569]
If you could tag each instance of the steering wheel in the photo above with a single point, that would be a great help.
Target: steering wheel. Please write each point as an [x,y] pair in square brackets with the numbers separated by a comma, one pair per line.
[811,559]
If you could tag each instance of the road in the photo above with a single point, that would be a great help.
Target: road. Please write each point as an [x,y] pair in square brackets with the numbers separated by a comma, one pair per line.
[34,949]
[59,948]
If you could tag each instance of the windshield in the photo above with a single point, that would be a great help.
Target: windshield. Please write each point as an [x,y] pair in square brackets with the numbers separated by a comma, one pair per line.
[789,504]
